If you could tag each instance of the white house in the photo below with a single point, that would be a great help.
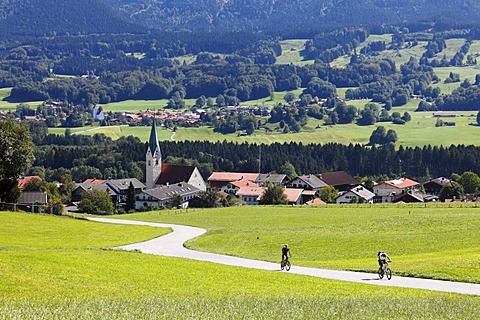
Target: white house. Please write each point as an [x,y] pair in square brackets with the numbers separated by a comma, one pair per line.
[359,194]
[160,196]
[390,190]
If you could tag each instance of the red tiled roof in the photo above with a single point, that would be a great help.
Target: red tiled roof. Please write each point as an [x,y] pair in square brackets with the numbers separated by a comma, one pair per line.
[251,191]
[94,181]
[23,181]
[401,183]
[316,201]
[232,176]
[244,183]
[292,194]
[174,173]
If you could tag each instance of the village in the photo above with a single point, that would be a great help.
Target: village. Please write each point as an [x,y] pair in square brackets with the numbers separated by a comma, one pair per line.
[166,182]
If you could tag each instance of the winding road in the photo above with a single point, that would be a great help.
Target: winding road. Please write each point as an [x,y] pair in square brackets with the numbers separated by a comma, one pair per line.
[172,245]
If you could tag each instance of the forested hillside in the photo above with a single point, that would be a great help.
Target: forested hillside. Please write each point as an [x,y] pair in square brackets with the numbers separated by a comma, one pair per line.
[295,15]
[50,17]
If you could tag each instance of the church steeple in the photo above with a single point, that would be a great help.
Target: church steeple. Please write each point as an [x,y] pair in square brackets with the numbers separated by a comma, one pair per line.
[153,158]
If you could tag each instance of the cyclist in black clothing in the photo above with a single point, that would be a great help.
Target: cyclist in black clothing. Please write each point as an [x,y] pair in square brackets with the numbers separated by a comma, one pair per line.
[285,253]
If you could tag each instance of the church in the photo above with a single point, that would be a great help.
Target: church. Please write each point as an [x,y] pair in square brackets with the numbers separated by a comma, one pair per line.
[161,176]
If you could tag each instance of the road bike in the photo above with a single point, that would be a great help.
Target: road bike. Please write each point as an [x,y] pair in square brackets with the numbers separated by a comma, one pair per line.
[285,264]
[385,271]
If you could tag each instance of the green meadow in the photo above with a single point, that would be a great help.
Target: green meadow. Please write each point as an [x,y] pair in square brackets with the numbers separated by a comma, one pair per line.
[61,268]
[291,52]
[10,106]
[419,131]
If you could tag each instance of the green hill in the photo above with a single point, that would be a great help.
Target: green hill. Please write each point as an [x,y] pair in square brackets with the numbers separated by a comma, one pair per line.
[49,17]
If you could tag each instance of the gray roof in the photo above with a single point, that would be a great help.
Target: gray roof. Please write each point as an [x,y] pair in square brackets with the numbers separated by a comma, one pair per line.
[312,181]
[165,192]
[31,197]
[102,187]
[363,192]
[123,184]
[275,178]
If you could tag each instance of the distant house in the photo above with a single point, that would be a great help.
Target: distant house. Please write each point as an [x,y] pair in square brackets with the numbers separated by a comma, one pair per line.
[86,186]
[358,194]
[307,182]
[217,180]
[32,197]
[25,180]
[391,190]
[316,202]
[434,186]
[251,195]
[161,196]
[173,173]
[294,196]
[443,114]
[340,180]
[120,187]
[275,178]
[234,186]
[411,196]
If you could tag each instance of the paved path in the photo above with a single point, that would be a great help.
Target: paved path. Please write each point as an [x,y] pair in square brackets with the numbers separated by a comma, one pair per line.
[172,245]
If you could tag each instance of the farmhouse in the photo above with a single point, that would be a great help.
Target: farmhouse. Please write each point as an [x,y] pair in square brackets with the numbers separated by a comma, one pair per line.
[359,194]
[307,182]
[340,180]
[161,196]
[433,186]
[391,190]
[218,180]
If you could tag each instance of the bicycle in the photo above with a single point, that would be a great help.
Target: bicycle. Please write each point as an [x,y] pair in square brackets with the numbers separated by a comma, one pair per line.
[285,264]
[384,270]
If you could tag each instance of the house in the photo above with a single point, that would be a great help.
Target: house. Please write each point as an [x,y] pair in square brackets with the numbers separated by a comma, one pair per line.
[217,180]
[120,187]
[251,195]
[32,197]
[340,180]
[85,186]
[389,191]
[294,195]
[234,186]
[275,178]
[174,173]
[161,196]
[411,196]
[307,182]
[25,180]
[316,202]
[159,174]
[434,186]
[358,194]
[32,201]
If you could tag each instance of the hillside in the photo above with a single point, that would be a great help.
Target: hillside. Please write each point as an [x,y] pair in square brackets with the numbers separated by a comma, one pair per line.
[274,15]
[39,17]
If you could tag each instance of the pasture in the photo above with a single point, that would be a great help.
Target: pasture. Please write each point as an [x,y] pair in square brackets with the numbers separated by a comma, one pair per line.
[56,267]
[291,52]
[419,131]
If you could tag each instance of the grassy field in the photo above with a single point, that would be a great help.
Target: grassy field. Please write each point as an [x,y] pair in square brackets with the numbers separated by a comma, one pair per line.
[53,267]
[291,50]
[429,241]
[467,72]
[419,131]
[8,106]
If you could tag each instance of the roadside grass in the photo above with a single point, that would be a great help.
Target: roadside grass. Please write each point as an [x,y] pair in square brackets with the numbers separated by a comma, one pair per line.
[55,268]
[432,241]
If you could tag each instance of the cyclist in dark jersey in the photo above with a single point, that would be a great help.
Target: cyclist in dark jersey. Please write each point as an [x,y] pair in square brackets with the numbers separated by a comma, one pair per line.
[382,258]
[285,253]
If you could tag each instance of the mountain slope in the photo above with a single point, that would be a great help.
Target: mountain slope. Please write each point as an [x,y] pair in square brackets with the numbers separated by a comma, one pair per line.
[37,17]
[270,15]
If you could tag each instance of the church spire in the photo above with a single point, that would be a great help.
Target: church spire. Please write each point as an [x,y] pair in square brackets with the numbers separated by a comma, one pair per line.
[153,158]
[153,142]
